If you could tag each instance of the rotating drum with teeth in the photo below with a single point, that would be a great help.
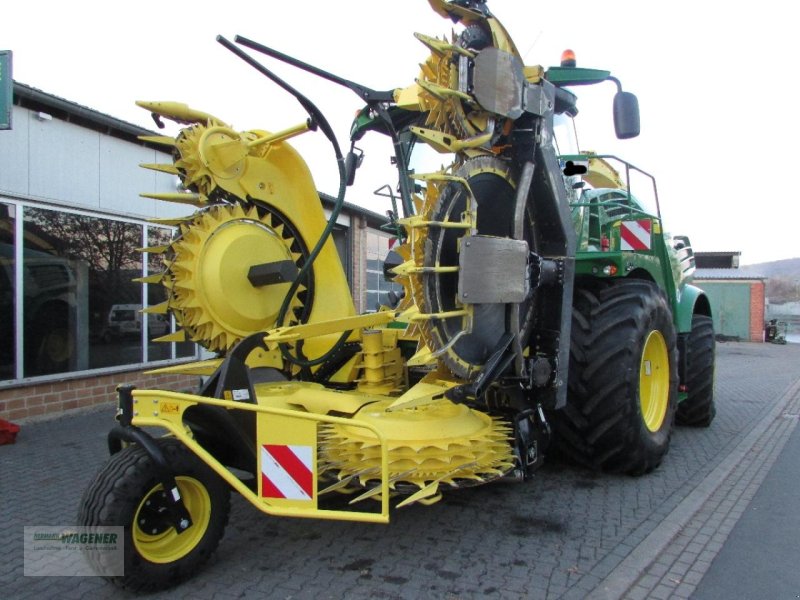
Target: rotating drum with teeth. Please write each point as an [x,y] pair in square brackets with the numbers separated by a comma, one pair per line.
[466,342]
[207,274]
[438,442]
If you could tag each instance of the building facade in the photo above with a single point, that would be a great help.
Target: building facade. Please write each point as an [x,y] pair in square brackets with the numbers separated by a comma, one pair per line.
[738,300]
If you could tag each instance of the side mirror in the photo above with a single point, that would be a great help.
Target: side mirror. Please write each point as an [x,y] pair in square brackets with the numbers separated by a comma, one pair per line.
[626,115]
[352,161]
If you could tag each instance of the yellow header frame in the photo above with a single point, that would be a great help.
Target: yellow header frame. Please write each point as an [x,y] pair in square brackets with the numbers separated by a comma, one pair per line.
[153,408]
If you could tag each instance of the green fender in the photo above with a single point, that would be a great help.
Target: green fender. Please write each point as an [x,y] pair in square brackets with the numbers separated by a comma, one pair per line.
[692,300]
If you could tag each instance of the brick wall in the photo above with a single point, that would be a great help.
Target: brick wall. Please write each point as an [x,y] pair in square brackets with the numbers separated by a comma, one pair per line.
[46,399]
[757,311]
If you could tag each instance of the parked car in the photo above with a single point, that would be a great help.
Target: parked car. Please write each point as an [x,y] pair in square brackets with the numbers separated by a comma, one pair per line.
[125,320]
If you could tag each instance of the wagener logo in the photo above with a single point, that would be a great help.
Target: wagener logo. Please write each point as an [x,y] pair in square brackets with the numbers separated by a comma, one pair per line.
[67,550]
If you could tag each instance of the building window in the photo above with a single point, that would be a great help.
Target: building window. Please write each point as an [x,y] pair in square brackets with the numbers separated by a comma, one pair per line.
[80,308]
[161,325]
[378,288]
[7,277]
[157,325]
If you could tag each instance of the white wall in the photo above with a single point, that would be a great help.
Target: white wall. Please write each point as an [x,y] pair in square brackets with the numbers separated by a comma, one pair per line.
[64,163]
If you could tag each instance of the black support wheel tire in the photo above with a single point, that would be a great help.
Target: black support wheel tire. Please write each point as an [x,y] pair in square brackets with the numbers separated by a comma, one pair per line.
[623,378]
[697,409]
[127,493]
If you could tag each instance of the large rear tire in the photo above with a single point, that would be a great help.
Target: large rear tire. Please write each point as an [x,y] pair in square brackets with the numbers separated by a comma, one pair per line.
[623,378]
[698,409]
[126,493]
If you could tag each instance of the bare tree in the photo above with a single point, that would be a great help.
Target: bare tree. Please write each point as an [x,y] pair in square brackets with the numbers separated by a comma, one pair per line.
[108,247]
[783,289]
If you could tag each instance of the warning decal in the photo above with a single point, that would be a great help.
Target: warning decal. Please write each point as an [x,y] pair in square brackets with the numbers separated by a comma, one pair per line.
[286,472]
[635,235]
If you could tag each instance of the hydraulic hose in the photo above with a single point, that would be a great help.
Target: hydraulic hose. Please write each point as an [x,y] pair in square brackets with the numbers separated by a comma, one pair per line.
[319,118]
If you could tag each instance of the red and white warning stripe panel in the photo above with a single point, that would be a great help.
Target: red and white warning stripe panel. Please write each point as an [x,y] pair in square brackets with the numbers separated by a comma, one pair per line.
[636,235]
[286,472]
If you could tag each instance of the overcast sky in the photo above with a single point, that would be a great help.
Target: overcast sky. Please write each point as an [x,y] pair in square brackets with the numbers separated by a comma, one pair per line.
[719,109]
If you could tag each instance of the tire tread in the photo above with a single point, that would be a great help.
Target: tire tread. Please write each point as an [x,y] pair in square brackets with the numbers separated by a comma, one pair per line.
[111,500]
[698,409]
[601,425]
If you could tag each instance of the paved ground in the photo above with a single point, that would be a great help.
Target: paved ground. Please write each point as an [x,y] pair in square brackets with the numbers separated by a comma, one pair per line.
[762,550]
[568,533]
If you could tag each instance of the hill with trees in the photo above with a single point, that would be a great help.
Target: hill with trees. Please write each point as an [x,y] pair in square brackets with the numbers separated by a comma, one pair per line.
[783,279]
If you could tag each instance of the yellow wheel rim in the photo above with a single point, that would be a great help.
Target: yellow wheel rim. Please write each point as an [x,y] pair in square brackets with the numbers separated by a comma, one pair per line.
[158,542]
[654,381]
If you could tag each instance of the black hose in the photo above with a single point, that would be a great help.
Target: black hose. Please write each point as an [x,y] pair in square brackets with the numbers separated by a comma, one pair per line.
[301,362]
[319,118]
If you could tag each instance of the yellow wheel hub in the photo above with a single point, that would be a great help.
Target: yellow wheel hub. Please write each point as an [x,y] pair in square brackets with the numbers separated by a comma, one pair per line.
[211,294]
[159,543]
[441,441]
[654,381]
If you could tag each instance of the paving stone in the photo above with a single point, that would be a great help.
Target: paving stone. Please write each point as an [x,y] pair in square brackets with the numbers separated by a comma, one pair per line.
[662,592]
[658,569]
[638,593]
[693,577]
[649,581]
